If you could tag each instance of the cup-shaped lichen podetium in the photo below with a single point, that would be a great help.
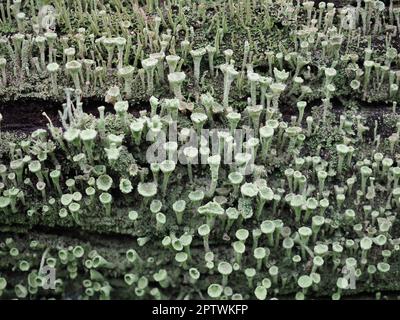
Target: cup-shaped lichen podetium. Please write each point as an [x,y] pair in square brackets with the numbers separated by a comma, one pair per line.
[161,220]
[41,43]
[260,254]
[215,290]
[104,182]
[250,146]
[242,234]
[100,262]
[52,69]
[209,104]
[297,202]
[249,190]
[175,80]
[214,162]
[211,51]
[301,106]
[36,168]
[194,275]
[265,194]
[149,66]
[69,53]
[136,127]
[154,103]
[277,89]
[365,245]
[155,126]
[204,232]
[342,283]
[191,154]
[126,73]
[317,223]
[106,199]
[225,269]
[55,178]
[260,292]
[265,82]
[368,64]
[155,206]
[304,236]
[74,68]
[51,37]
[115,139]
[266,135]
[230,74]
[342,151]
[162,278]
[109,44]
[113,152]
[250,273]
[179,208]
[197,55]
[268,227]
[159,56]
[17,166]
[304,282]
[166,167]
[366,172]
[198,120]
[311,204]
[120,43]
[20,291]
[235,178]
[239,248]
[125,186]
[172,61]
[211,210]
[288,244]
[88,137]
[172,107]
[147,190]
[253,79]
[233,120]
[293,133]
[255,116]
[121,109]
[232,215]
[78,251]
[330,73]
[196,197]
[133,258]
